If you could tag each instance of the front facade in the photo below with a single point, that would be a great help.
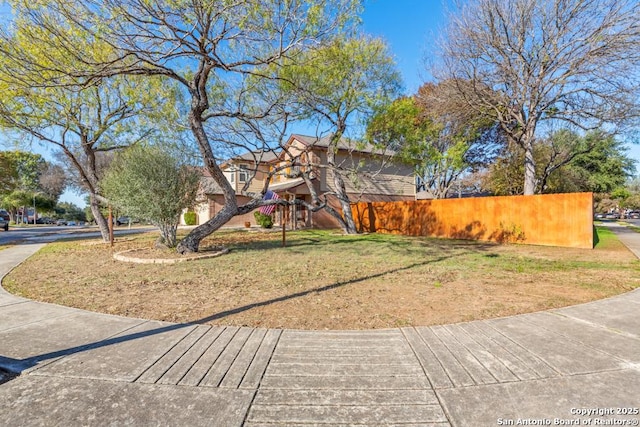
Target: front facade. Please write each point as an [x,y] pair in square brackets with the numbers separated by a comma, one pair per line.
[368,176]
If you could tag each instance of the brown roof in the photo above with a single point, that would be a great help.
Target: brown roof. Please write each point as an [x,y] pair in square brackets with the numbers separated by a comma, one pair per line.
[260,155]
[343,144]
[208,185]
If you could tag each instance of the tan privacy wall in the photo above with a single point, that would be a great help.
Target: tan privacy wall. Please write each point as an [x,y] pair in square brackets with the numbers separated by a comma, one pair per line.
[550,219]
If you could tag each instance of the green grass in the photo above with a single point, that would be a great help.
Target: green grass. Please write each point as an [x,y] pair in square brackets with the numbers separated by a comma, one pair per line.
[605,239]
[323,276]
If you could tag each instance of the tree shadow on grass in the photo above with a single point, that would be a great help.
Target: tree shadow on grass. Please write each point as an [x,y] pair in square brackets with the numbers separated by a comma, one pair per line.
[18,365]
[318,290]
[401,244]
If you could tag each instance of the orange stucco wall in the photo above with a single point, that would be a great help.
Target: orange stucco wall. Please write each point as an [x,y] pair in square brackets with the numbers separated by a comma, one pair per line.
[550,219]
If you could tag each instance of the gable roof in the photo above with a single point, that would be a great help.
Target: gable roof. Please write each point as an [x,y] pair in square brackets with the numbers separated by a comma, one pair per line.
[269,156]
[344,144]
[262,155]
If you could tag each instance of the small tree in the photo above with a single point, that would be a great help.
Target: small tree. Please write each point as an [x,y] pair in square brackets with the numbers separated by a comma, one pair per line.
[148,182]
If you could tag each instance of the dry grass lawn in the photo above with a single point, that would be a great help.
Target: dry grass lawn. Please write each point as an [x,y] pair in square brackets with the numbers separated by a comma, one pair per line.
[323,280]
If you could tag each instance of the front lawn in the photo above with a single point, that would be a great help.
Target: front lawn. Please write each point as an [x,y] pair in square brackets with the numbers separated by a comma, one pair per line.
[326,280]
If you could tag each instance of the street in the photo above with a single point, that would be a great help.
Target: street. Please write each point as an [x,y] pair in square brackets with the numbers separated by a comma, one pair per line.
[50,233]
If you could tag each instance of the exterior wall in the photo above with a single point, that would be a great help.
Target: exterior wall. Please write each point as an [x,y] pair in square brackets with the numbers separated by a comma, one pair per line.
[216,203]
[551,219]
[373,177]
[295,149]
[390,179]
[233,173]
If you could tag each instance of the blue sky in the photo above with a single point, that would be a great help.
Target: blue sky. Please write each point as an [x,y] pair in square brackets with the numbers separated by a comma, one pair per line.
[410,28]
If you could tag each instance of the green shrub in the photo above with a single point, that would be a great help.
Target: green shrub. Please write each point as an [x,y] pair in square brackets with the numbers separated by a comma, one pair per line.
[190,218]
[264,221]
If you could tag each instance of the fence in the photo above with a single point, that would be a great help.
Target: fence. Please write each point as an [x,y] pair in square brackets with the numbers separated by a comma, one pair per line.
[550,219]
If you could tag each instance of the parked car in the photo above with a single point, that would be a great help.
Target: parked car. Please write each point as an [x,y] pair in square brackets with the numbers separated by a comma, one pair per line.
[61,222]
[71,223]
[5,215]
[4,224]
[122,220]
[125,220]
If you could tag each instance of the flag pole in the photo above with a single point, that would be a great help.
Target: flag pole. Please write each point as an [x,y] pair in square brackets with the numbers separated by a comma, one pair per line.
[284,227]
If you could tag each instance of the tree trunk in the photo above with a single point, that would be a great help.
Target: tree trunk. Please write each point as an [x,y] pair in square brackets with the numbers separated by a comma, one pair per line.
[192,241]
[99,218]
[348,224]
[168,234]
[529,166]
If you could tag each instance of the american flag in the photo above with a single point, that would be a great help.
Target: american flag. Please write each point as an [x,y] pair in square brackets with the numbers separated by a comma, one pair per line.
[268,209]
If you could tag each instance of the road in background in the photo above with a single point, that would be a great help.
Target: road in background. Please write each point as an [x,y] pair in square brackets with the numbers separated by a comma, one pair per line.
[51,233]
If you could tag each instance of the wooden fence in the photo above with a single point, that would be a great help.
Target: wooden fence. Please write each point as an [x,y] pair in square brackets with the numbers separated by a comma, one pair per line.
[550,219]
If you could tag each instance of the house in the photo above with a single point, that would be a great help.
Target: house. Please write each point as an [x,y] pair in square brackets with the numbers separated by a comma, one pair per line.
[369,177]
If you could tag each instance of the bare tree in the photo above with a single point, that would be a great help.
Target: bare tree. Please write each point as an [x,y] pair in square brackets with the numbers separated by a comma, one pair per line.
[531,62]
[52,180]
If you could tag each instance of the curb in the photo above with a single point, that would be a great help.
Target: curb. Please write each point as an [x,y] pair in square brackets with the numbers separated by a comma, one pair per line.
[124,257]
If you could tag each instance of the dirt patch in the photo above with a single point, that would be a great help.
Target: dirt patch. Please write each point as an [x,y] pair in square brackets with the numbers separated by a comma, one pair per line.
[321,280]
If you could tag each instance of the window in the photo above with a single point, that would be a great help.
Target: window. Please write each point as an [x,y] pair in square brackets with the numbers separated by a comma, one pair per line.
[243,175]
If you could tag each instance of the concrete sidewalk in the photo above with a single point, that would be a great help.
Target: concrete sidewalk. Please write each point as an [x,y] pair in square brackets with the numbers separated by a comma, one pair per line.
[549,368]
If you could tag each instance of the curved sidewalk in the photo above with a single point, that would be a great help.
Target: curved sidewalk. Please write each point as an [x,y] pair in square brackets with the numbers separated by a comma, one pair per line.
[547,368]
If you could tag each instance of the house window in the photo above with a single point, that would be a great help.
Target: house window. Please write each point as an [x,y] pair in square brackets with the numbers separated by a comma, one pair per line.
[243,175]
[232,177]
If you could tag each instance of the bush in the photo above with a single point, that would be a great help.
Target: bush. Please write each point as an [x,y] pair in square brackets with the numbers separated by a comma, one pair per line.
[190,218]
[148,181]
[264,221]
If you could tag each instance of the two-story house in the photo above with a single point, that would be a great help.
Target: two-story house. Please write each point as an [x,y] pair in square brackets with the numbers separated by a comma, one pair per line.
[368,175]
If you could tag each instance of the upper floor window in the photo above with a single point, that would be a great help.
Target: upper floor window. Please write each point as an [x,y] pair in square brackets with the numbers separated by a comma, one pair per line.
[243,174]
